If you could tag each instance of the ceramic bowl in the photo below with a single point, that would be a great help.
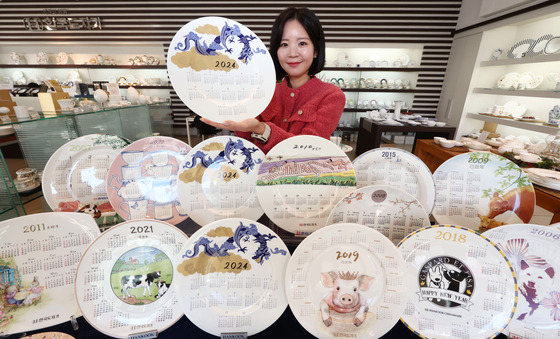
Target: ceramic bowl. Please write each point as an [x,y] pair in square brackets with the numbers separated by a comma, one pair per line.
[437,140]
[440,123]
[447,143]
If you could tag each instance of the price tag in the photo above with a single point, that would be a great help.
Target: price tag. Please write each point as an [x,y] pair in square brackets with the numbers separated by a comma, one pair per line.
[5,119]
[234,335]
[483,136]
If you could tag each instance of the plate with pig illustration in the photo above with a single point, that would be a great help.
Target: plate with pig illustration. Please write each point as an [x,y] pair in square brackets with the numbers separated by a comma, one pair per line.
[399,168]
[533,252]
[142,180]
[39,256]
[347,280]
[463,284]
[125,281]
[387,209]
[230,277]
[482,190]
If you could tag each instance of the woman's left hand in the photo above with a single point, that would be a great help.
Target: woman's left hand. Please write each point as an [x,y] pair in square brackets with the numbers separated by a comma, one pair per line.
[247,125]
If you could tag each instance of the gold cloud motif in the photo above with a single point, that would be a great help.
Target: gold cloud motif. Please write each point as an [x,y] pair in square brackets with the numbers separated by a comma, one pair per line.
[199,62]
[221,231]
[193,174]
[208,29]
[214,146]
[205,264]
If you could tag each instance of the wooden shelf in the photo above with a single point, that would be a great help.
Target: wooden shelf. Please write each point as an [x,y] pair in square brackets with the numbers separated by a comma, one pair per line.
[381,69]
[530,126]
[523,93]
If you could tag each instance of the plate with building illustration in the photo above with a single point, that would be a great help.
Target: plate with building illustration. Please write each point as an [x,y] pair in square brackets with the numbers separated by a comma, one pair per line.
[220,69]
[230,277]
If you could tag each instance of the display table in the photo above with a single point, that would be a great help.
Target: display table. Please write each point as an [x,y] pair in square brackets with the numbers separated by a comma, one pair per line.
[434,155]
[370,131]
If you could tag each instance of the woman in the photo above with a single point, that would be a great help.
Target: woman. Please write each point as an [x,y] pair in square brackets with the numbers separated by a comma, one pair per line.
[302,104]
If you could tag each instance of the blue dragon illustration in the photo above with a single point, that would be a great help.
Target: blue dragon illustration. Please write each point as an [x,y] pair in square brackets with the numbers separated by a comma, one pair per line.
[230,149]
[242,234]
[227,35]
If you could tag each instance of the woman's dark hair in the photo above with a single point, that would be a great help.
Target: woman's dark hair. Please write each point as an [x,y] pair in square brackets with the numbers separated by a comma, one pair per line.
[312,26]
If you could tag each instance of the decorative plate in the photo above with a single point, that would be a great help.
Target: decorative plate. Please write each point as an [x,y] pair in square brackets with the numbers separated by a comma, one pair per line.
[220,69]
[142,180]
[231,277]
[552,46]
[508,80]
[39,256]
[398,168]
[482,190]
[389,210]
[347,281]
[217,180]
[533,252]
[464,286]
[530,80]
[537,48]
[125,281]
[301,180]
[520,49]
[74,178]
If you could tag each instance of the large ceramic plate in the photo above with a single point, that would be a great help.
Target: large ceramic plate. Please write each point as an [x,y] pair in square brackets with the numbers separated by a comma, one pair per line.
[481,190]
[389,210]
[301,181]
[520,49]
[220,69]
[125,281]
[231,277]
[142,180]
[464,286]
[38,258]
[507,81]
[347,281]
[533,252]
[399,168]
[217,180]
[75,175]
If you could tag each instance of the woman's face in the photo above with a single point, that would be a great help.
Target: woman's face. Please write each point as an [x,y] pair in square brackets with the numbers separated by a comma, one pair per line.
[296,52]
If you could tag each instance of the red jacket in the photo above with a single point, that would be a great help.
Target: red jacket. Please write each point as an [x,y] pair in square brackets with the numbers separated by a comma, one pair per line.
[312,109]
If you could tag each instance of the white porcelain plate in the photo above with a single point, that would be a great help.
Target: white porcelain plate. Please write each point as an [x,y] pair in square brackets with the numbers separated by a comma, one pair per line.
[231,277]
[347,281]
[463,285]
[39,256]
[301,180]
[552,46]
[508,80]
[520,49]
[142,180]
[75,175]
[389,210]
[398,168]
[482,190]
[217,180]
[533,252]
[220,69]
[126,280]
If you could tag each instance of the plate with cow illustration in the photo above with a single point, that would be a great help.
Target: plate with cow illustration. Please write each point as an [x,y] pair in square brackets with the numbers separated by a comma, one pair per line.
[463,284]
[125,281]
[301,180]
[387,209]
[230,277]
[348,281]
[217,180]
[39,256]
[399,168]
[533,252]
[142,180]
[482,190]
[75,175]
[220,69]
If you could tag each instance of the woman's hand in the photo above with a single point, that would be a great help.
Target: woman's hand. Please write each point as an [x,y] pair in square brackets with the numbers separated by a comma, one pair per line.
[247,125]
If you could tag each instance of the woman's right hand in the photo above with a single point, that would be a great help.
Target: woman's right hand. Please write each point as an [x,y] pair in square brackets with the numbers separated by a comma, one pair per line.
[248,125]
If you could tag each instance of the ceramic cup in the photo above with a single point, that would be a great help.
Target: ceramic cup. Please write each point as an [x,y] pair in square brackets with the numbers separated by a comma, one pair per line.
[22,112]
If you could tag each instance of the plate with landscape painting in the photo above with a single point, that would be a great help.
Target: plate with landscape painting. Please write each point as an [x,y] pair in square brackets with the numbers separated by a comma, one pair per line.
[217,180]
[533,253]
[39,257]
[482,190]
[301,180]
[142,180]
[230,277]
[125,281]
[220,69]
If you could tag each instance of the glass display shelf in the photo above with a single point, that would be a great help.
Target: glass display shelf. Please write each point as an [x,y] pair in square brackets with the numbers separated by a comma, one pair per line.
[11,205]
